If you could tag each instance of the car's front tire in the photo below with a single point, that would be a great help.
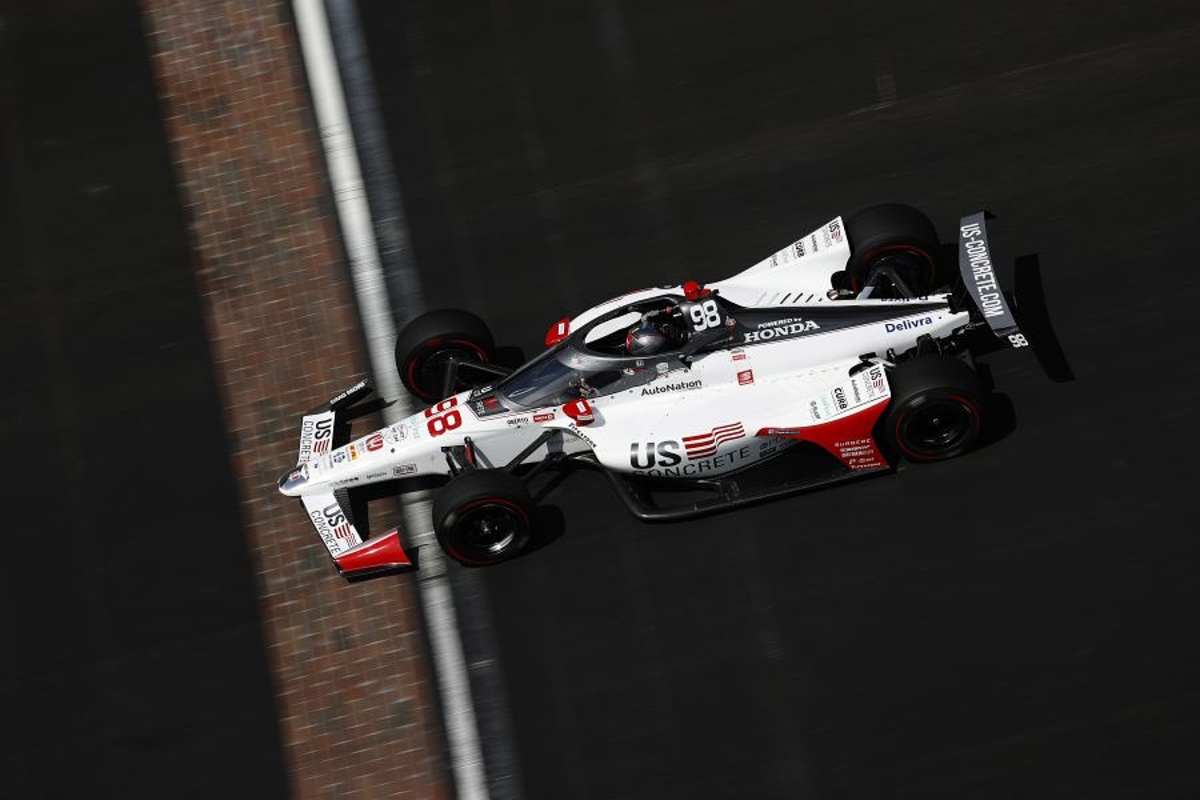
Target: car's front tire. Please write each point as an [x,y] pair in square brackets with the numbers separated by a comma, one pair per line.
[483,517]
[425,346]
[936,408]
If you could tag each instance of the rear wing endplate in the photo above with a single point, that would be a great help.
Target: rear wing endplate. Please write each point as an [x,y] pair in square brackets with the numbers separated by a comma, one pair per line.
[979,278]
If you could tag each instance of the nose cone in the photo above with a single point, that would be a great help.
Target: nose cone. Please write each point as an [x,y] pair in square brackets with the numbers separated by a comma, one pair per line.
[293,482]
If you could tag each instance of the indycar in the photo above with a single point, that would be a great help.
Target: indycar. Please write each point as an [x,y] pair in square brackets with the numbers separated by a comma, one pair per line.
[853,348]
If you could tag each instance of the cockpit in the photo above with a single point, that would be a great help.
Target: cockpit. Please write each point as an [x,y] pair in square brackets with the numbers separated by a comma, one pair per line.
[622,349]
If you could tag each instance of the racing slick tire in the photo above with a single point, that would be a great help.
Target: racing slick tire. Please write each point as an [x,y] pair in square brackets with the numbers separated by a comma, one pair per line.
[483,517]
[894,235]
[935,412]
[425,345]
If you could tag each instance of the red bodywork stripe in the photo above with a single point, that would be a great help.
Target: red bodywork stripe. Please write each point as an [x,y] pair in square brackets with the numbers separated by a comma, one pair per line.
[848,438]
[379,553]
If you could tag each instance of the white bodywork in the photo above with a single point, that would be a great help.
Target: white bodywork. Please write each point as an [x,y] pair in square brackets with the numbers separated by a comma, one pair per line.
[724,411]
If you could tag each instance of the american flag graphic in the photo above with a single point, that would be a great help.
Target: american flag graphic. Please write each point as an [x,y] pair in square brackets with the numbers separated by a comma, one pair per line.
[706,444]
[322,445]
[342,531]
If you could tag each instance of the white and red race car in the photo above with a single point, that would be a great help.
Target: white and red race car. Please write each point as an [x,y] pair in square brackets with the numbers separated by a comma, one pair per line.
[851,348]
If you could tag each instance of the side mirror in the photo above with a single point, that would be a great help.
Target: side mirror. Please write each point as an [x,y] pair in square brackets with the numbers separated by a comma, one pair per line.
[580,411]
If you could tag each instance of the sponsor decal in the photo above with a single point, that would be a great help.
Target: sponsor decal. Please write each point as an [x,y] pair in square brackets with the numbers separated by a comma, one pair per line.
[839,397]
[868,385]
[316,436]
[858,453]
[323,435]
[339,456]
[449,419]
[399,470]
[782,432]
[705,444]
[662,368]
[813,410]
[704,315]
[681,386]
[781,329]
[835,230]
[658,461]
[737,355]
[517,421]
[975,262]
[746,376]
[798,249]
[907,324]
[875,374]
[340,396]
[374,442]
[374,476]
[575,430]
[661,453]
[353,452]
[826,405]
[547,417]
[332,526]
[769,447]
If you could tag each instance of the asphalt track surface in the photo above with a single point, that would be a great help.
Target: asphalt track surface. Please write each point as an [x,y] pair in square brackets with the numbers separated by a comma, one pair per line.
[131,658]
[1020,622]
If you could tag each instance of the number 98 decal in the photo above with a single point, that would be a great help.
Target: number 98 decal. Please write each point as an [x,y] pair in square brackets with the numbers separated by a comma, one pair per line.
[705,315]
[443,417]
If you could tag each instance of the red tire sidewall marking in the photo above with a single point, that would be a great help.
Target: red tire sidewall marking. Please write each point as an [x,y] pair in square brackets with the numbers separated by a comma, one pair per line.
[430,344]
[500,501]
[866,259]
[913,455]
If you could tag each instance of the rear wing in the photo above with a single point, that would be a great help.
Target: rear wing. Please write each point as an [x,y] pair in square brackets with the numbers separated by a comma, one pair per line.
[978,273]
[1024,323]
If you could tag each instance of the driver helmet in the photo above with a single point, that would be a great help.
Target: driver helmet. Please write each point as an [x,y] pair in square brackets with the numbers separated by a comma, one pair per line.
[648,338]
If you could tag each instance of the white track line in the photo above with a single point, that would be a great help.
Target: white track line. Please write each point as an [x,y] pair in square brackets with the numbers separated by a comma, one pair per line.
[366,272]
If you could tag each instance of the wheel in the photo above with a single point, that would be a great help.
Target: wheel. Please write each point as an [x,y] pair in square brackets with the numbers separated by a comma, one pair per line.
[483,517]
[935,411]
[425,346]
[897,236]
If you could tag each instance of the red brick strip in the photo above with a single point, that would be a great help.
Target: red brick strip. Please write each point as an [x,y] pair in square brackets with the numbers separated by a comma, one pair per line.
[358,714]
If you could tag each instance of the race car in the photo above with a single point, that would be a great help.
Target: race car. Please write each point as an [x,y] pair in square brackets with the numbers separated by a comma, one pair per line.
[846,352]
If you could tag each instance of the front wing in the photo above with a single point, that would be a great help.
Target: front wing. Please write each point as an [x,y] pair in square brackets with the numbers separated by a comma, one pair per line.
[329,514]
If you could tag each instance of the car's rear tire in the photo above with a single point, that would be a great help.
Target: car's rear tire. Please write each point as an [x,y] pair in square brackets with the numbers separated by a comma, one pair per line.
[425,345]
[483,517]
[936,411]
[896,236]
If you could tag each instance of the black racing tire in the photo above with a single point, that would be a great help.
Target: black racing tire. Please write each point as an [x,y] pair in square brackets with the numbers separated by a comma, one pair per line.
[896,235]
[425,344]
[483,517]
[936,411]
